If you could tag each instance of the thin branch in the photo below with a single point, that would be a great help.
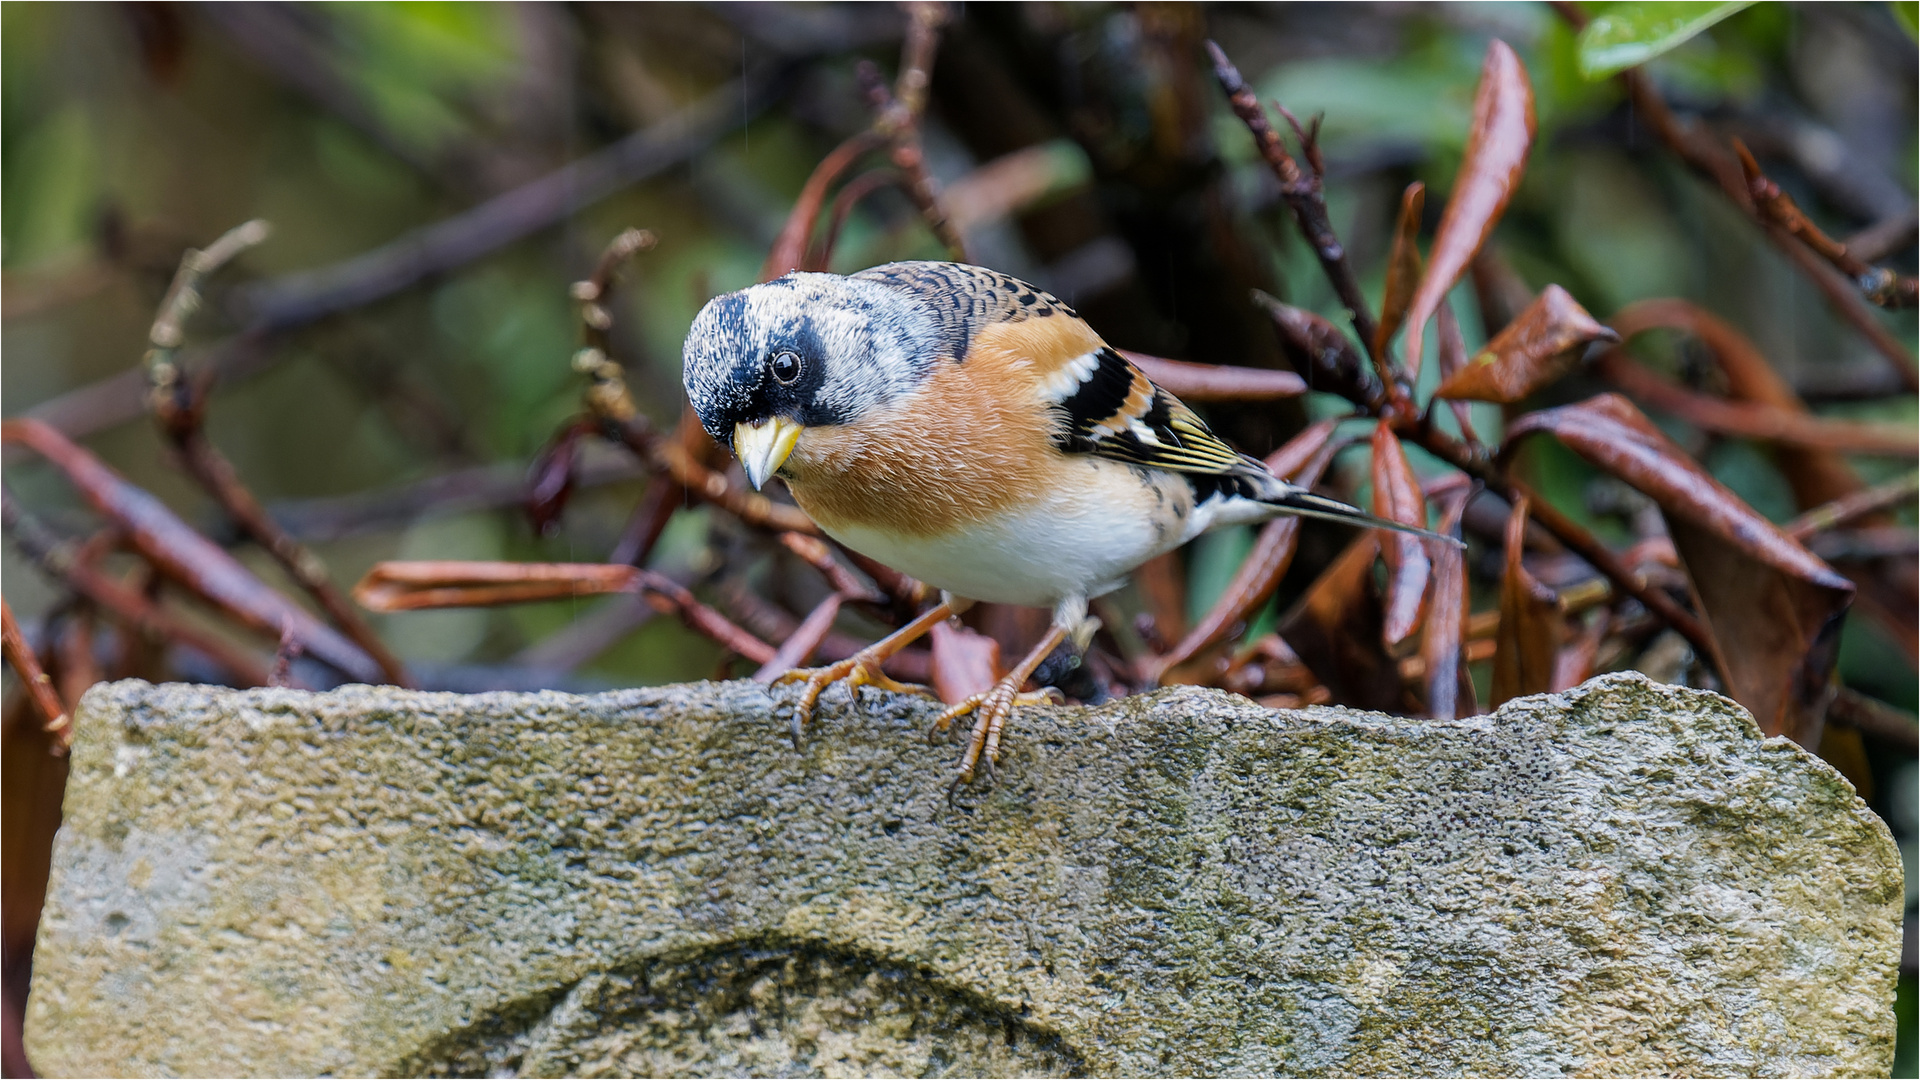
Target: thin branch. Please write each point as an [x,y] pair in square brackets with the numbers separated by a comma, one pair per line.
[670,455]
[1878,284]
[804,640]
[130,607]
[899,112]
[1888,236]
[1303,194]
[175,549]
[26,664]
[180,412]
[1755,420]
[298,299]
[1852,507]
[1875,719]
[420,585]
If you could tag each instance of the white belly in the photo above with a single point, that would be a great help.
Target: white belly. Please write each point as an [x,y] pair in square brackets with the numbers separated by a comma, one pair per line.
[1081,540]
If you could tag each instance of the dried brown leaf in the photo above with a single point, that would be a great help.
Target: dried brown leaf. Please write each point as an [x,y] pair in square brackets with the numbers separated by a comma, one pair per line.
[1773,609]
[1322,350]
[1397,497]
[1490,170]
[1453,358]
[1449,686]
[1533,351]
[1530,622]
[1335,630]
[1404,266]
[965,661]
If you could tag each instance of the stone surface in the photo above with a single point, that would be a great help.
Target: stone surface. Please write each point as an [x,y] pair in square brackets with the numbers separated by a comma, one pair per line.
[1620,880]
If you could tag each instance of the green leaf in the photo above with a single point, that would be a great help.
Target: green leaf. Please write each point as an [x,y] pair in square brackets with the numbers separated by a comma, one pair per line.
[1907,14]
[1627,35]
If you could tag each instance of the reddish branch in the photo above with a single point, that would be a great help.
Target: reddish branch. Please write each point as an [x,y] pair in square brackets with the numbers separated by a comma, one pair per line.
[1852,507]
[26,664]
[127,606]
[1755,420]
[1877,284]
[186,557]
[899,112]
[179,406]
[413,586]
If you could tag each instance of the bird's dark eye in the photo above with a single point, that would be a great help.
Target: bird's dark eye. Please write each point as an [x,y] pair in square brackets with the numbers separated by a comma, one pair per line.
[786,367]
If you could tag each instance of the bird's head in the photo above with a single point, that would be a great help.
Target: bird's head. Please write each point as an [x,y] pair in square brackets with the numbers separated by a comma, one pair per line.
[766,363]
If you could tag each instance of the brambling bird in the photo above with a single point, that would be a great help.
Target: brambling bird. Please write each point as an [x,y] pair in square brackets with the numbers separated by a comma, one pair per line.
[968,429]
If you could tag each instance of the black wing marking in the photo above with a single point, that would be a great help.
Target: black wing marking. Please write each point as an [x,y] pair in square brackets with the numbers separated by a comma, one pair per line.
[1115,411]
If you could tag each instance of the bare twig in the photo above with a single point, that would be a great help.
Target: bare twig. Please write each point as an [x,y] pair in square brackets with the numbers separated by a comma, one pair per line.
[1886,237]
[608,398]
[180,412]
[805,638]
[415,586]
[127,606]
[1875,719]
[26,664]
[1303,195]
[1755,420]
[1197,383]
[1878,284]
[707,484]
[1853,507]
[818,555]
[898,119]
[298,299]
[185,556]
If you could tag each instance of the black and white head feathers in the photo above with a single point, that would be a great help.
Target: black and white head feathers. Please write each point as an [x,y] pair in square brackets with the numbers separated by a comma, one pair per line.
[817,349]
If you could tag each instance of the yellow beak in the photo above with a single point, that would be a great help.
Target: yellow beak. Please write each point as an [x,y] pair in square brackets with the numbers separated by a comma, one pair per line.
[762,448]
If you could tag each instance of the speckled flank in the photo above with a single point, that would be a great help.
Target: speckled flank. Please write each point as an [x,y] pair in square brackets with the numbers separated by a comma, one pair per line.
[1623,880]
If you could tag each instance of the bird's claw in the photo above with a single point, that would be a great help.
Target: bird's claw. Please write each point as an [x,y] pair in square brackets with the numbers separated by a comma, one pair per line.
[858,670]
[991,710]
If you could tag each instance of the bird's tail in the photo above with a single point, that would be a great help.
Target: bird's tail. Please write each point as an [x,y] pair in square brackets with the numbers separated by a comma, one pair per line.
[1296,500]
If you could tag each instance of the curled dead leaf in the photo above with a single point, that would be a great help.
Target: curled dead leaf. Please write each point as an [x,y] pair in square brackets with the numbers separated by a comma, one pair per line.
[1404,266]
[1397,497]
[1533,351]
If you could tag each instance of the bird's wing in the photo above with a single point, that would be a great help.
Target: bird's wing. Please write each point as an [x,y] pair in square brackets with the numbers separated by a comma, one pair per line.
[1101,404]
[1110,408]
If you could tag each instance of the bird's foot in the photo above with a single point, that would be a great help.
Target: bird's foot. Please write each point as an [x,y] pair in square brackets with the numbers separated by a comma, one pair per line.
[990,710]
[860,669]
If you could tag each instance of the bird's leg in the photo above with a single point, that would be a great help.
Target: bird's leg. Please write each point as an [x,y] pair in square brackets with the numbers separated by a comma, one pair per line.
[863,667]
[991,709]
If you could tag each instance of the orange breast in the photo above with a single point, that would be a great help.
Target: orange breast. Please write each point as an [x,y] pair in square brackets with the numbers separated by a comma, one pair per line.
[973,441]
